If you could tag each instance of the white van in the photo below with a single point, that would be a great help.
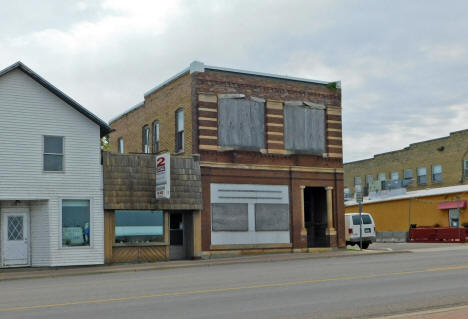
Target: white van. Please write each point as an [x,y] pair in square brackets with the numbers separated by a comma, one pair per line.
[352,224]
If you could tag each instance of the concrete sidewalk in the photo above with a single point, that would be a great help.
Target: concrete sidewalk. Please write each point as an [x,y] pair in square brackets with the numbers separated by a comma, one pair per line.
[29,273]
[456,312]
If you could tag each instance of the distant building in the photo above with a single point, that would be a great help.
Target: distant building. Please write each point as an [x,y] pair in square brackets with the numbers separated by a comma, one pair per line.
[51,199]
[268,150]
[434,163]
[435,207]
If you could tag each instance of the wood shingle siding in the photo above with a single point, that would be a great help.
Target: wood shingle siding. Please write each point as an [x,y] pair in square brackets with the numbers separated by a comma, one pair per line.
[130,181]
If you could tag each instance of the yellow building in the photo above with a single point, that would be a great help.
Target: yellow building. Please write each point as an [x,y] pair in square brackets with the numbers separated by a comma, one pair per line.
[393,215]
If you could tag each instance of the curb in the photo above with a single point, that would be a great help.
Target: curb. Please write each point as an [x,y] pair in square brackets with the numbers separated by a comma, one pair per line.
[92,270]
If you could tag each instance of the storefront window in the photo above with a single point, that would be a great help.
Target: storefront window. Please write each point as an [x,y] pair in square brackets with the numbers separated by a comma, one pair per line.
[76,226]
[139,226]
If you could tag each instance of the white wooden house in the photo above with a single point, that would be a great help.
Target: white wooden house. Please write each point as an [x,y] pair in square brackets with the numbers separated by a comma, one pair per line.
[51,197]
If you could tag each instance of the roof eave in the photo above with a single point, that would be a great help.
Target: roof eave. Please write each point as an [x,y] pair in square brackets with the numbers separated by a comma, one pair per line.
[104,127]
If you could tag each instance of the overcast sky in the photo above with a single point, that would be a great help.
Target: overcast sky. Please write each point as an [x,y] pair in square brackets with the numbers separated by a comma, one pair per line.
[403,64]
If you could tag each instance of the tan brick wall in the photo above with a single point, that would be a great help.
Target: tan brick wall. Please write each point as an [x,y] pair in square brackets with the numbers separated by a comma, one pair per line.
[160,105]
[423,154]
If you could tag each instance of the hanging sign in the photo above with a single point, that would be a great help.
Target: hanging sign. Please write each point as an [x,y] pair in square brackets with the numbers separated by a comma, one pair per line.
[163,176]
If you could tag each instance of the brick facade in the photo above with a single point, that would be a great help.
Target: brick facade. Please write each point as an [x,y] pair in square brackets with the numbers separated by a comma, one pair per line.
[198,93]
[160,105]
[450,152]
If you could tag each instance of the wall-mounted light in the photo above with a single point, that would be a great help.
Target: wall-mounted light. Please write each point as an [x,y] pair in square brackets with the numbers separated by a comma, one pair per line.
[441,148]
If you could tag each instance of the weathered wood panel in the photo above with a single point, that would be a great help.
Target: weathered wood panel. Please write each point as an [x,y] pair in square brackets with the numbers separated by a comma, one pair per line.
[304,129]
[230,217]
[109,235]
[139,254]
[241,123]
[271,217]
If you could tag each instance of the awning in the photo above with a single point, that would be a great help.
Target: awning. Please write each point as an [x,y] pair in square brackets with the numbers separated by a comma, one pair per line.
[451,205]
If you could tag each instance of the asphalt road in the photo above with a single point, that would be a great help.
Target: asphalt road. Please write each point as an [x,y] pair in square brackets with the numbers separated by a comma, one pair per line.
[342,287]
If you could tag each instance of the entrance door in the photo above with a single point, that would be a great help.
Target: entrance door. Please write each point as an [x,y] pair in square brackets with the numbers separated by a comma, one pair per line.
[454,218]
[15,239]
[176,236]
[315,216]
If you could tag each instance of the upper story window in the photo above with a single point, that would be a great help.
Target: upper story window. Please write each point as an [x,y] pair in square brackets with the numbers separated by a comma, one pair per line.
[357,180]
[422,176]
[156,137]
[146,139]
[53,153]
[241,123]
[369,179]
[382,177]
[436,173]
[347,193]
[394,176]
[179,130]
[304,127]
[466,168]
[120,145]
[407,177]
[408,174]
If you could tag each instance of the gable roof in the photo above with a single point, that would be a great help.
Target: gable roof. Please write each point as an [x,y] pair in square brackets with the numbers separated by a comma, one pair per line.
[105,128]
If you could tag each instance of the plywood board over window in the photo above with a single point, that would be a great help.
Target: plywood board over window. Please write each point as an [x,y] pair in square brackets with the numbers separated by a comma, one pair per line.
[241,123]
[304,128]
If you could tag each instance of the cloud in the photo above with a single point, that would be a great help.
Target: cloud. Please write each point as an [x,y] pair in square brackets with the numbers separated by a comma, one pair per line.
[402,64]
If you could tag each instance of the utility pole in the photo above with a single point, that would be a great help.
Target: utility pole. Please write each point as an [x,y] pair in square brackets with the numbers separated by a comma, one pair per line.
[359,195]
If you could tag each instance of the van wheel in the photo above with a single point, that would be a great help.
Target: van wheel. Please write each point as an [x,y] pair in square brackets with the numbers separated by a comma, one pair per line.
[365,245]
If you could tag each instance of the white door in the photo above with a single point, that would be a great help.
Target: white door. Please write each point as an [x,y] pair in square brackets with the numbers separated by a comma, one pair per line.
[15,239]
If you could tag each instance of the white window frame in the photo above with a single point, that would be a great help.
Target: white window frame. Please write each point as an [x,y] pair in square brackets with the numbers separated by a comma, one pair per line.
[380,175]
[121,145]
[432,173]
[394,173]
[145,143]
[44,153]
[357,180]
[418,175]
[178,130]
[406,170]
[156,136]
[91,223]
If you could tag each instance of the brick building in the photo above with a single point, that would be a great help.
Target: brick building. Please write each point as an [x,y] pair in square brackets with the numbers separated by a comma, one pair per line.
[434,163]
[269,150]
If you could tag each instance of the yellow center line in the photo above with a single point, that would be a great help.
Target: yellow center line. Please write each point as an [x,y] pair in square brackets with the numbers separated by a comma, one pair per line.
[227,289]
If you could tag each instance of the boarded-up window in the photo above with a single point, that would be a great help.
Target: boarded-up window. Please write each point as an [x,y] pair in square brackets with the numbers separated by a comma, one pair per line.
[304,129]
[271,217]
[241,123]
[229,217]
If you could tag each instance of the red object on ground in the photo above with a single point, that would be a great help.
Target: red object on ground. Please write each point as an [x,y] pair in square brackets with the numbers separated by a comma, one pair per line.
[452,205]
[437,234]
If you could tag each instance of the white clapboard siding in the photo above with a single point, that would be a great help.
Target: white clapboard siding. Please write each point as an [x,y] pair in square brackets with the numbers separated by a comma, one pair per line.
[40,237]
[28,111]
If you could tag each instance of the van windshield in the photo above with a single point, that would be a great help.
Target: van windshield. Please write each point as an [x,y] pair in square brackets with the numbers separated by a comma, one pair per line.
[366,220]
